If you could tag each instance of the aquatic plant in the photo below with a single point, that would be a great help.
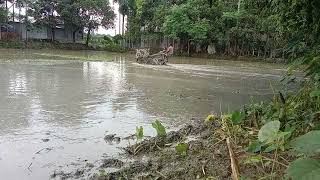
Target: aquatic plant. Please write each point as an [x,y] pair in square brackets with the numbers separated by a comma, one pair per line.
[139,133]
[161,130]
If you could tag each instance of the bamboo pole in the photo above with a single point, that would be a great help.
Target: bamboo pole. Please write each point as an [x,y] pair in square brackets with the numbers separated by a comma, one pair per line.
[234,164]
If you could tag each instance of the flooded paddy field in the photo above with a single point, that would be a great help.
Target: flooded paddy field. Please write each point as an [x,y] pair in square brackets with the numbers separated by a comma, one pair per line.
[57,106]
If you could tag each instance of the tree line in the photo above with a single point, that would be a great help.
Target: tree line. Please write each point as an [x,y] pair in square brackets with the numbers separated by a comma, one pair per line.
[261,28]
[75,14]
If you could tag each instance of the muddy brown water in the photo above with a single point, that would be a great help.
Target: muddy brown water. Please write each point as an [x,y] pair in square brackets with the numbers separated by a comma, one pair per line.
[56,106]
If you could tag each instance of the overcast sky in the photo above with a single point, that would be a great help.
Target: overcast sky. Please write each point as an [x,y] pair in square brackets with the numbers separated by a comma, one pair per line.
[112,32]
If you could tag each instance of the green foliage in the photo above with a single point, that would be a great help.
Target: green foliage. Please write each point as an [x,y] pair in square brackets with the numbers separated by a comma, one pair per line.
[315,93]
[237,117]
[304,169]
[161,130]
[139,133]
[3,15]
[187,20]
[270,137]
[182,149]
[76,14]
[104,42]
[253,159]
[254,147]
[268,132]
[308,144]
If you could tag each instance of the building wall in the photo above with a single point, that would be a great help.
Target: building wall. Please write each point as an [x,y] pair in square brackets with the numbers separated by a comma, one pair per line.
[45,33]
[37,33]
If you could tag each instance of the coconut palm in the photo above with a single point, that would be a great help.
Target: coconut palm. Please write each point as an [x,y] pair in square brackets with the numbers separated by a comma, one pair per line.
[125,8]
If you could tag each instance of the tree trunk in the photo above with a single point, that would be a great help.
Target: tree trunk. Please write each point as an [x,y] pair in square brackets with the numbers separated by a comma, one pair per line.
[88,37]
[188,47]
[12,11]
[119,23]
[123,16]
[53,34]
[26,22]
[7,16]
[74,36]
[20,22]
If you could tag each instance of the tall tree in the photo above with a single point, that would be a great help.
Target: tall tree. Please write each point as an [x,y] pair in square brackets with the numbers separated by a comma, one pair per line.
[69,10]
[44,13]
[126,7]
[94,14]
[3,19]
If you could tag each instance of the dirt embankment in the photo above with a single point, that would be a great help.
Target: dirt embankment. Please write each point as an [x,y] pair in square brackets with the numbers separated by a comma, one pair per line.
[156,158]
[207,157]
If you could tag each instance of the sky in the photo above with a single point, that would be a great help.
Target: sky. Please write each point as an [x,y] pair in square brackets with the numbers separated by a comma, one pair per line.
[115,31]
[100,30]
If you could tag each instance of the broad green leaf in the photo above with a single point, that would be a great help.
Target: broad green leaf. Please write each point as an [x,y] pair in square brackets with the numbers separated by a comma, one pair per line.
[237,117]
[270,148]
[182,148]
[254,147]
[139,132]
[304,169]
[161,130]
[308,144]
[315,93]
[284,135]
[268,131]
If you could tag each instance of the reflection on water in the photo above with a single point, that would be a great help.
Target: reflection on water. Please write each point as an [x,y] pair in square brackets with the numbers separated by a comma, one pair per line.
[74,103]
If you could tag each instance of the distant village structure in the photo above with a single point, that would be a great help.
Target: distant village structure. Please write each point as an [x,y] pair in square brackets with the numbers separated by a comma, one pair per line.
[18,30]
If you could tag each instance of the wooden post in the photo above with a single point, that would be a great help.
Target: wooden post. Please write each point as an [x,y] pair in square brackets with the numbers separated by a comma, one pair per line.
[234,164]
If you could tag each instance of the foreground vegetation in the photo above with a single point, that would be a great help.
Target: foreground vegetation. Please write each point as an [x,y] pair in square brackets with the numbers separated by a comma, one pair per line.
[281,137]
[269,140]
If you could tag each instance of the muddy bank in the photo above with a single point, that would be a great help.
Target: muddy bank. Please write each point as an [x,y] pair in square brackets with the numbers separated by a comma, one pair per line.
[207,157]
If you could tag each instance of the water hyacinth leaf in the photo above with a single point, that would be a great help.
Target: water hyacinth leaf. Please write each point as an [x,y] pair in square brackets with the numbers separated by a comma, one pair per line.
[315,93]
[161,130]
[308,144]
[182,149]
[304,169]
[237,117]
[139,132]
[268,131]
[210,118]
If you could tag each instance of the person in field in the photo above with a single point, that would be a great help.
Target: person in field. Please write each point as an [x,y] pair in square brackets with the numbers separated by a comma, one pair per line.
[169,51]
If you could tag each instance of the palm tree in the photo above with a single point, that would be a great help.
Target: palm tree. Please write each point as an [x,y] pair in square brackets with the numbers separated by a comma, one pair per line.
[125,7]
